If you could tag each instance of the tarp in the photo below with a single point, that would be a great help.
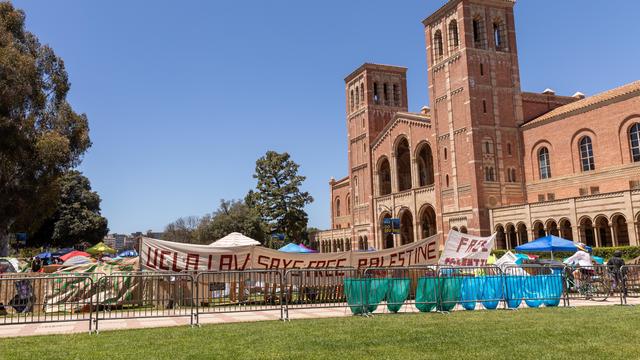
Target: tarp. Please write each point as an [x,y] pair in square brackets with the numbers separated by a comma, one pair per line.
[73,254]
[100,248]
[9,265]
[76,260]
[170,256]
[548,243]
[128,253]
[291,248]
[234,239]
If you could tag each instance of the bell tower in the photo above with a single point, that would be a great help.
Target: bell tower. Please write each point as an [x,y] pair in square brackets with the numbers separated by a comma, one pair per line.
[474,87]
[374,94]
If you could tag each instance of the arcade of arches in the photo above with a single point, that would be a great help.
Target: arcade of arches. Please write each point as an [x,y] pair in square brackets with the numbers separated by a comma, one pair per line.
[601,231]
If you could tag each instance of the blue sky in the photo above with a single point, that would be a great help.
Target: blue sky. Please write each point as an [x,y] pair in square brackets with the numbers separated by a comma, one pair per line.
[184,96]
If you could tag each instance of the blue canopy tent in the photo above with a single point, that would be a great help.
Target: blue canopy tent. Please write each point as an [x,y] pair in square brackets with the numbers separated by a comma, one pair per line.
[128,253]
[548,243]
[44,255]
[293,248]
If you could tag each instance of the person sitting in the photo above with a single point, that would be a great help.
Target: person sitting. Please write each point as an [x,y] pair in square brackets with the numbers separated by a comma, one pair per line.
[582,262]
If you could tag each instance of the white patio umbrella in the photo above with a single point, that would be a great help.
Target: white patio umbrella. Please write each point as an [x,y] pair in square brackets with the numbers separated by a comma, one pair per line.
[234,240]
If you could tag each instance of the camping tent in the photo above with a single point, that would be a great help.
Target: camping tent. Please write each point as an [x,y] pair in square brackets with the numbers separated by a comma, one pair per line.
[44,255]
[100,248]
[76,260]
[234,240]
[61,252]
[291,248]
[548,243]
[308,249]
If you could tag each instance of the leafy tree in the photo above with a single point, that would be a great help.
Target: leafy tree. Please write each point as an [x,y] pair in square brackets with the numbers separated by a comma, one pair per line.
[278,198]
[42,136]
[77,216]
[183,230]
[233,216]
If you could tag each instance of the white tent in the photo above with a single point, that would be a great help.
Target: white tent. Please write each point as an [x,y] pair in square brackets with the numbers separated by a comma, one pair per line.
[234,240]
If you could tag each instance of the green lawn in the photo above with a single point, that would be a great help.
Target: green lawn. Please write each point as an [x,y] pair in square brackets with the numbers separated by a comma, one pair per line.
[561,333]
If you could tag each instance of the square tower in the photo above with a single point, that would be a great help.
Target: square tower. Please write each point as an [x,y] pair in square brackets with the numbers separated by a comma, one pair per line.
[374,94]
[474,87]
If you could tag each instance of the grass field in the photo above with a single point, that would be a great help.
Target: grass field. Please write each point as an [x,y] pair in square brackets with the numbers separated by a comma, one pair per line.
[561,333]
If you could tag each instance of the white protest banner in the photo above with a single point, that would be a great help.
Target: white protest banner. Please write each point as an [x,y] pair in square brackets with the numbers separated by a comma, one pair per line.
[169,256]
[466,250]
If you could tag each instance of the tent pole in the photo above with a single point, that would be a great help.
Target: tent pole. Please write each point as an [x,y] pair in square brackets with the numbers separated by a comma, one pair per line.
[551,254]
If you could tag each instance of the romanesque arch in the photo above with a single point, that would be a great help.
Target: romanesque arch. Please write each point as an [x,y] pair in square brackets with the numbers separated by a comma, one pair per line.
[522,233]
[501,241]
[552,228]
[538,230]
[604,231]
[406,227]
[403,165]
[565,229]
[620,230]
[428,225]
[384,176]
[587,232]
[424,158]
[512,237]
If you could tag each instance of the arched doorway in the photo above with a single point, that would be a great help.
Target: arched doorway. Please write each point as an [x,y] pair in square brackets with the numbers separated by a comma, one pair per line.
[538,230]
[620,230]
[406,227]
[403,163]
[384,177]
[522,233]
[501,241]
[428,222]
[552,228]
[512,237]
[587,232]
[463,230]
[604,231]
[387,238]
[425,166]
[565,230]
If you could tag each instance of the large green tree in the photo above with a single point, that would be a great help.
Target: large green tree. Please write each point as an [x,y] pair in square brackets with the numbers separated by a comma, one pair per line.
[41,136]
[76,217]
[278,198]
[233,216]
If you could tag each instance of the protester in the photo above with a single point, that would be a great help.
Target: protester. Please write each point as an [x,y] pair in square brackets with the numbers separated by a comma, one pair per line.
[615,265]
[583,263]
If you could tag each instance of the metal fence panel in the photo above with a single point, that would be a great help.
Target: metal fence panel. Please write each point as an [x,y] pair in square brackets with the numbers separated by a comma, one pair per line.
[405,289]
[628,280]
[37,298]
[588,283]
[470,287]
[534,286]
[145,295]
[239,291]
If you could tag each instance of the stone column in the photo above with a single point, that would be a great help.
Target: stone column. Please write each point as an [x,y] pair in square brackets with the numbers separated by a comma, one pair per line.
[614,234]
[518,237]
[596,232]
[394,172]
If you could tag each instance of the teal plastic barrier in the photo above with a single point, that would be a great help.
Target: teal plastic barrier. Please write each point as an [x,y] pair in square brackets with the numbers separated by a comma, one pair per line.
[514,290]
[426,295]
[355,290]
[449,293]
[492,292]
[378,289]
[471,292]
[533,291]
[552,290]
[397,293]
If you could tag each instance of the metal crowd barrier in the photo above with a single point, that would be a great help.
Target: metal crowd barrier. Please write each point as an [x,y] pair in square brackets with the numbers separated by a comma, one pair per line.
[401,288]
[628,280]
[470,287]
[144,295]
[322,288]
[588,283]
[238,291]
[27,298]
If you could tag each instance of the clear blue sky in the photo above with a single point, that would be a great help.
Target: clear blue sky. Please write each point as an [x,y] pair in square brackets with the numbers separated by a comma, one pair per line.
[184,96]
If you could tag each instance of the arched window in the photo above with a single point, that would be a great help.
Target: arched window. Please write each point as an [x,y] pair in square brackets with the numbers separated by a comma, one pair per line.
[509,148]
[425,166]
[351,100]
[488,146]
[384,177]
[348,205]
[376,95]
[445,153]
[478,32]
[447,180]
[403,163]
[454,40]
[499,35]
[544,164]
[586,154]
[438,51]
[338,207]
[356,191]
[362,93]
[396,95]
[634,142]
[357,95]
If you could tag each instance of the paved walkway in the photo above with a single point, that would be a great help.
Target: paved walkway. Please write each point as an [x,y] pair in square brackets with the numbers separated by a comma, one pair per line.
[73,327]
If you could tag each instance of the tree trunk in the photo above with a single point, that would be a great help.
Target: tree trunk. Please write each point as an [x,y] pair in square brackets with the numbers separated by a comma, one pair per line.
[4,240]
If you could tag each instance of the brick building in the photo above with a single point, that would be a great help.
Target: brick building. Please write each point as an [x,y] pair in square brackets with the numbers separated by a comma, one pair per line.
[485,156]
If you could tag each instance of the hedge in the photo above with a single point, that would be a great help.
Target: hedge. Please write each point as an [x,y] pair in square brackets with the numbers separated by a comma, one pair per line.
[628,252]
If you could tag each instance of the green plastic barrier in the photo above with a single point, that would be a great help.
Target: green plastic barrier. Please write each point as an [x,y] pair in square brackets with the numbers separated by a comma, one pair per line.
[398,293]
[354,289]
[450,290]
[426,295]
[377,291]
